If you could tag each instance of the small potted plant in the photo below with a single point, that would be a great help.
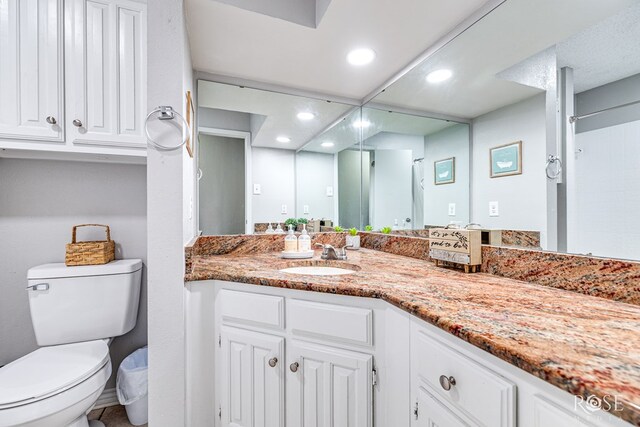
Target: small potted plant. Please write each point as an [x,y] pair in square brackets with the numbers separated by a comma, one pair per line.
[353,239]
[368,228]
[302,221]
[338,229]
[291,221]
[386,230]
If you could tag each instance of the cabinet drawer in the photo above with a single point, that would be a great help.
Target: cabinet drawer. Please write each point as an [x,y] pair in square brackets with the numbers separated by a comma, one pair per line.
[251,309]
[482,395]
[330,322]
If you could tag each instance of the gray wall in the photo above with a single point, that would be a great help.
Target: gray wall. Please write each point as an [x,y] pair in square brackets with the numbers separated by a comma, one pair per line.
[223,119]
[274,170]
[450,142]
[222,186]
[522,198]
[606,96]
[314,173]
[40,201]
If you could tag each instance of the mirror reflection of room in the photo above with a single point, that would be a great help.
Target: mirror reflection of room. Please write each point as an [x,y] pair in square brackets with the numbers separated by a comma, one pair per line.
[418,172]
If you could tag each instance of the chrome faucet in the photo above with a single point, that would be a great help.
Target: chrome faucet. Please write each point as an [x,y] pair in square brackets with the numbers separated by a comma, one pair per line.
[331,253]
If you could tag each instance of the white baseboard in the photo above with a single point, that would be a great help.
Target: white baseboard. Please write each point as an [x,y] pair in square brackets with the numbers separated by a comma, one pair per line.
[107,398]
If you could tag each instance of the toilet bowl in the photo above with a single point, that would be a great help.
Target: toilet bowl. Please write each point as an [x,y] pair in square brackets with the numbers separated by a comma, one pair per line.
[54,386]
[75,311]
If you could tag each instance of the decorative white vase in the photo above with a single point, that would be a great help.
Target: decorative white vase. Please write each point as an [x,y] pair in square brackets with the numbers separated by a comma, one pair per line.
[353,241]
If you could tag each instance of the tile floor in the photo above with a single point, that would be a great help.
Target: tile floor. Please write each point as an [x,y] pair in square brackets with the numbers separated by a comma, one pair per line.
[112,416]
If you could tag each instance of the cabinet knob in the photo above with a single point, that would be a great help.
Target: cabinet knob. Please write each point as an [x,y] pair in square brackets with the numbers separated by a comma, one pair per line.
[294,367]
[77,123]
[51,120]
[273,362]
[447,382]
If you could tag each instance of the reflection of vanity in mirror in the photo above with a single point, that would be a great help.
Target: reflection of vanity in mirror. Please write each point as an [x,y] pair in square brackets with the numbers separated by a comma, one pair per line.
[449,144]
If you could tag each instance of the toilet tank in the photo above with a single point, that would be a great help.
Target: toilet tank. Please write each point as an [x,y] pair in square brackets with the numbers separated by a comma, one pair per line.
[84,303]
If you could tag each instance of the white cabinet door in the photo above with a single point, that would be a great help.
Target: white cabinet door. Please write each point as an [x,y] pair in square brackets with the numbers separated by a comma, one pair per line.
[106,72]
[31,70]
[328,387]
[429,412]
[251,389]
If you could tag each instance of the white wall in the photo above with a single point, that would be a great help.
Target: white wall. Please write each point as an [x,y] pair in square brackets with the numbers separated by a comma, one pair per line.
[170,189]
[274,170]
[522,198]
[450,142]
[40,201]
[314,173]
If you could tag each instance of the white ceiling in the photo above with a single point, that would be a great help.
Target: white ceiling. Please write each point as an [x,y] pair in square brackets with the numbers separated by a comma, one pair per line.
[606,52]
[273,114]
[515,31]
[346,134]
[230,41]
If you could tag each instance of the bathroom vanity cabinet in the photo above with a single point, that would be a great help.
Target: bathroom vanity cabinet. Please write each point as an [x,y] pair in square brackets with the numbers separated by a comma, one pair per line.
[267,356]
[73,77]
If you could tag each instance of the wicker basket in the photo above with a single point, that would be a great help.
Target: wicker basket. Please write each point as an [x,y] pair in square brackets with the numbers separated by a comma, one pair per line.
[90,253]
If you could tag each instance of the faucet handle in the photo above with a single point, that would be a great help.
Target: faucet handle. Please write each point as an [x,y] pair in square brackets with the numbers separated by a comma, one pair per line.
[344,248]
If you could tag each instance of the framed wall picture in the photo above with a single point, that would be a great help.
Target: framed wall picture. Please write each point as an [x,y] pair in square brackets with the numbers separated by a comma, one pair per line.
[444,171]
[191,123]
[506,160]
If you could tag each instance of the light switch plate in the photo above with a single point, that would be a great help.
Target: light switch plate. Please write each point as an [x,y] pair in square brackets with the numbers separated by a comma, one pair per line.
[494,209]
[452,209]
[257,189]
[329,191]
[305,209]
[284,209]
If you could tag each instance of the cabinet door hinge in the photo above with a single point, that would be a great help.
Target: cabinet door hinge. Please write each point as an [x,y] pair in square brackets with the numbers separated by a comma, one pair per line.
[374,377]
[220,412]
[415,410]
[219,340]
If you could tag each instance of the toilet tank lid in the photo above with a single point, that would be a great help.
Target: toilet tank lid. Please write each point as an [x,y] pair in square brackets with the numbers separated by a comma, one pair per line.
[60,270]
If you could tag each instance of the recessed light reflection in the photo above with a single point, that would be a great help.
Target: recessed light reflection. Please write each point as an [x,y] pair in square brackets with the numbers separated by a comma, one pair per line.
[360,57]
[439,76]
[305,115]
[327,144]
[283,139]
[361,124]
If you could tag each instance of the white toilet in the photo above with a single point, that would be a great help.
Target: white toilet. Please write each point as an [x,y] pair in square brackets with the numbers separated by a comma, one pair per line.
[75,312]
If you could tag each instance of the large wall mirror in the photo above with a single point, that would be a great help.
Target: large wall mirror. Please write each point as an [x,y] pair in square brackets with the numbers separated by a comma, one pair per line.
[265,158]
[527,78]
[526,125]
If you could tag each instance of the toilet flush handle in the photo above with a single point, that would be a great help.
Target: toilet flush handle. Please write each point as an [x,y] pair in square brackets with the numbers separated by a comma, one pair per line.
[39,287]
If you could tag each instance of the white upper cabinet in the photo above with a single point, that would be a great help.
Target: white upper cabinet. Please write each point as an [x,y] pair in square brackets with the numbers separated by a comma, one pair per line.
[106,72]
[31,87]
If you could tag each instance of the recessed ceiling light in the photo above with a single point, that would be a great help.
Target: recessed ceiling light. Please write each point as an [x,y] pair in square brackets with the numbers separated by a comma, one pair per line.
[283,139]
[305,115]
[361,124]
[439,76]
[327,144]
[361,56]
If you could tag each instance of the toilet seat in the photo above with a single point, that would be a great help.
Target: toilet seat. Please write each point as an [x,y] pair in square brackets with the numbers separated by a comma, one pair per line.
[48,371]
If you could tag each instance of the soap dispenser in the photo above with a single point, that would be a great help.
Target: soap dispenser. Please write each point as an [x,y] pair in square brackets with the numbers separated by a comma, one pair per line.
[304,241]
[291,241]
[269,229]
[279,229]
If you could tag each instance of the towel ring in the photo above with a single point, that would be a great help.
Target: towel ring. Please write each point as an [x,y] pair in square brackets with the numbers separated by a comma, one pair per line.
[551,160]
[166,112]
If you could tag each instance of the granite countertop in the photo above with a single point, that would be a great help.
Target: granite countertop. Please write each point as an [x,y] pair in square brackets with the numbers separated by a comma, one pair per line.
[582,344]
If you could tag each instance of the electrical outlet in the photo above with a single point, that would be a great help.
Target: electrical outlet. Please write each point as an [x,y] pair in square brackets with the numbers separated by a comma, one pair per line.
[452,209]
[257,189]
[284,209]
[494,209]
[305,209]
[329,191]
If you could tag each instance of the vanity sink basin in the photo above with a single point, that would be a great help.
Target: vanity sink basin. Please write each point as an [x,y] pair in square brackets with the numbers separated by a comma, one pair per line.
[317,270]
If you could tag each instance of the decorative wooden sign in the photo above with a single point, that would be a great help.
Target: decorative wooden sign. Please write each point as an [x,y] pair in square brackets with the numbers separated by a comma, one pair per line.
[452,246]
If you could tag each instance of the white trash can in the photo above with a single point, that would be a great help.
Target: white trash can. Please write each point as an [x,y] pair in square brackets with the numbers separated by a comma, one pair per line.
[132,386]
